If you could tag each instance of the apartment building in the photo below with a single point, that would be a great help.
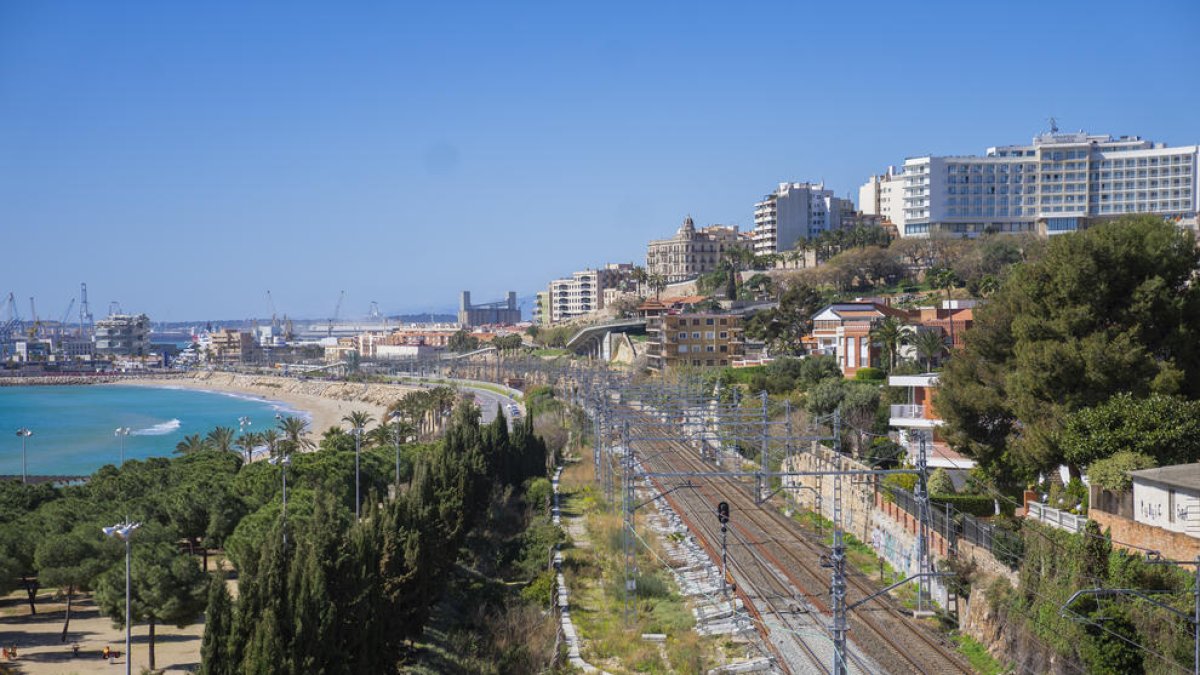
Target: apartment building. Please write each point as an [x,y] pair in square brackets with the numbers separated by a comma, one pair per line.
[691,252]
[700,340]
[583,292]
[796,211]
[883,195]
[123,335]
[232,346]
[1062,182]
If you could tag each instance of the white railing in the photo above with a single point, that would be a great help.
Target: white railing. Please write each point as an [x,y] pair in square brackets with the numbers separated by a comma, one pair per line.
[1055,518]
[907,411]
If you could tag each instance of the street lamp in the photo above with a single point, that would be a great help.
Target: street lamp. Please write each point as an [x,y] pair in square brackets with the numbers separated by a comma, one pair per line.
[358,432]
[397,417]
[244,422]
[284,461]
[124,532]
[122,432]
[24,433]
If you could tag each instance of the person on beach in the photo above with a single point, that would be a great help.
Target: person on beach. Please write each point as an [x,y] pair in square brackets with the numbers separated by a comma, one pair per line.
[104,653]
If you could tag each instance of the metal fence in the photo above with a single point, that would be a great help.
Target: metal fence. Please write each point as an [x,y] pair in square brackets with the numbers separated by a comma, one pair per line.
[1004,544]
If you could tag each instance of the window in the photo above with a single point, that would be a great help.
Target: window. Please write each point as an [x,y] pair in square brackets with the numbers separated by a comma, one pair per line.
[696,336]
[683,349]
[708,322]
[709,348]
[695,362]
[724,335]
[1171,506]
[683,336]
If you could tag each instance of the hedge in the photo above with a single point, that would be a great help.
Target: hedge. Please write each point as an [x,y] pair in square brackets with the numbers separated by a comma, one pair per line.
[870,375]
[976,505]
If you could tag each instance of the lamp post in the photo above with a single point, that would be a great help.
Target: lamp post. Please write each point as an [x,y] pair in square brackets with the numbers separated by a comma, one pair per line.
[397,417]
[284,461]
[124,532]
[357,431]
[24,433]
[122,432]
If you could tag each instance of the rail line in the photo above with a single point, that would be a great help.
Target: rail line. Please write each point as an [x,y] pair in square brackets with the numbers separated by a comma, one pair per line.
[776,546]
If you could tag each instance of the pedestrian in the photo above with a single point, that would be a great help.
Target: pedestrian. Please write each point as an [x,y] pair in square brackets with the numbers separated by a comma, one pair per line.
[104,653]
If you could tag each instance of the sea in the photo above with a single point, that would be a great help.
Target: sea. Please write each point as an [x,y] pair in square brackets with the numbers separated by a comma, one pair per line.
[73,425]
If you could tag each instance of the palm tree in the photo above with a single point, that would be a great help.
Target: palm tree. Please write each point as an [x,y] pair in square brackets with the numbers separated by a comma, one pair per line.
[190,445]
[930,344]
[945,278]
[295,435]
[890,333]
[988,285]
[220,438]
[247,442]
[658,283]
[358,419]
[273,441]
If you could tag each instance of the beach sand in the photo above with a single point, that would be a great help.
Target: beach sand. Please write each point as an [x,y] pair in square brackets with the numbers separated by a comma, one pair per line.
[326,402]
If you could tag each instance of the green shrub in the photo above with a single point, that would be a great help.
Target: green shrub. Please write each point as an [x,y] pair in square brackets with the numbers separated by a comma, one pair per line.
[976,505]
[870,375]
[1111,473]
[540,591]
[652,586]
[940,483]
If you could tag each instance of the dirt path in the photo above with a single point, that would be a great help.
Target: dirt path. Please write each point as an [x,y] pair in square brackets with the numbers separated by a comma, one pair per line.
[40,650]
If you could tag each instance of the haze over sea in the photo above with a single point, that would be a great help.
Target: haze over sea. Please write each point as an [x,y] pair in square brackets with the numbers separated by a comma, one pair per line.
[73,425]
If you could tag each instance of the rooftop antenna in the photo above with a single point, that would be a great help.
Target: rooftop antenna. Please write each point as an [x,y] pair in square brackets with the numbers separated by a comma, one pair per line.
[1053,125]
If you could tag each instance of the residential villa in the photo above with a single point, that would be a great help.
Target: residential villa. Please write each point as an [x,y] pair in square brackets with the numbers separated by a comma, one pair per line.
[918,420]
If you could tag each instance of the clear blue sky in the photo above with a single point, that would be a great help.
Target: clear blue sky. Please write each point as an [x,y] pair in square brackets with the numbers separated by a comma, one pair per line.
[183,158]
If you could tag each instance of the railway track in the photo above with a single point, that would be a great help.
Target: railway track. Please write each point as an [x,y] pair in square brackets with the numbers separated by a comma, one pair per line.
[781,565]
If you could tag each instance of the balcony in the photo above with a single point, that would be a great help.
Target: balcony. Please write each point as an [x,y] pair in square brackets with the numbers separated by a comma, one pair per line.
[908,415]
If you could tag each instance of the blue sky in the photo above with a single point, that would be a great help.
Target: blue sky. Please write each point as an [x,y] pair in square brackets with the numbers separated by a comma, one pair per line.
[183,158]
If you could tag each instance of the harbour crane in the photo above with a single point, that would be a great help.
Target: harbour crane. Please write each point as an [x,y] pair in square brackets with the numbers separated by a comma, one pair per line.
[62,325]
[274,314]
[37,323]
[337,311]
[11,324]
[85,311]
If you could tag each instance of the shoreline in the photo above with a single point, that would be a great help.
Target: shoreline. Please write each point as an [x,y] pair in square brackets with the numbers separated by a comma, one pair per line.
[324,403]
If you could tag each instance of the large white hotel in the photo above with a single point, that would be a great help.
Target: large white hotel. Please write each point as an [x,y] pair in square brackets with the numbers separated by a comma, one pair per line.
[1060,183]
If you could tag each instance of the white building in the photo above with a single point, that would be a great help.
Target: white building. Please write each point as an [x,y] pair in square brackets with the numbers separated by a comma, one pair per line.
[917,422]
[583,292]
[1060,183]
[796,211]
[1168,497]
[883,195]
[123,335]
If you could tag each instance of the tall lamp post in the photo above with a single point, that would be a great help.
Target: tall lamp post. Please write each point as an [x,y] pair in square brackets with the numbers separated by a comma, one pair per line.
[358,432]
[397,417]
[124,532]
[24,433]
[284,461]
[122,432]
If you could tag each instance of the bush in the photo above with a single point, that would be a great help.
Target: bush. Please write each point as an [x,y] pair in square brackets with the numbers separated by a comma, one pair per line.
[870,375]
[1111,473]
[538,496]
[976,505]
[940,483]
[540,591]
[652,586]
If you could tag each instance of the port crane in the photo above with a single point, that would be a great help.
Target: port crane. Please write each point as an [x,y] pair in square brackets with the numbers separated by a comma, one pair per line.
[36,327]
[337,311]
[12,319]
[85,312]
[62,325]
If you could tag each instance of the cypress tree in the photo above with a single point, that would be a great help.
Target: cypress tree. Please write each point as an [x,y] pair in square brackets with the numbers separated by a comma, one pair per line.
[218,622]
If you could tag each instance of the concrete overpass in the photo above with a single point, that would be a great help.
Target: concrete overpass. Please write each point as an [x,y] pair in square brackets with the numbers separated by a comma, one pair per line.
[596,341]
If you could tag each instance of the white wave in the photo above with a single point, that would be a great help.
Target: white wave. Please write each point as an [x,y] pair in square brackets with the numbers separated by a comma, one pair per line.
[158,429]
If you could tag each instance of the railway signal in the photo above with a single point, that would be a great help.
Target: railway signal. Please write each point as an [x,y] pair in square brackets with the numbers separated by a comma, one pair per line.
[723,518]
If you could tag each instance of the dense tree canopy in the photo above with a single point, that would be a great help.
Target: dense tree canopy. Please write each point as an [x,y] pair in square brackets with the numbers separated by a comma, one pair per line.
[1108,310]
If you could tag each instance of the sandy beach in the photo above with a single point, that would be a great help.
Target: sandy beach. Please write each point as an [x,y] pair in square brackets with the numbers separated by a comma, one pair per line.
[325,402]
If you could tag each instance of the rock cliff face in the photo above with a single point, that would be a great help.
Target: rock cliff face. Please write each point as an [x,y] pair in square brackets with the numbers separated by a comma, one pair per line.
[1008,638]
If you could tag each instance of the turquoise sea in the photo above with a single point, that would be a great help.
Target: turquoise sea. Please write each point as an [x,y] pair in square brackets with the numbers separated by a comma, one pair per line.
[73,425]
